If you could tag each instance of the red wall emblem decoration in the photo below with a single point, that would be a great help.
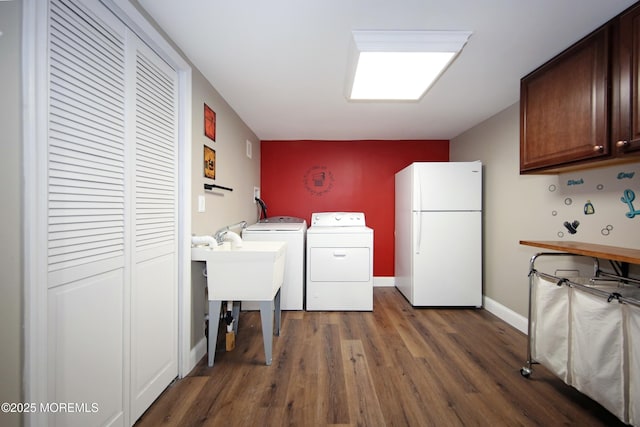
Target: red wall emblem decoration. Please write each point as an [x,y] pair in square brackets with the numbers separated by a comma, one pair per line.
[318,180]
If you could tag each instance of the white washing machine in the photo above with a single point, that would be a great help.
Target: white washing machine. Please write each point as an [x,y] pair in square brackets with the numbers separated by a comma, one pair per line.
[293,231]
[339,262]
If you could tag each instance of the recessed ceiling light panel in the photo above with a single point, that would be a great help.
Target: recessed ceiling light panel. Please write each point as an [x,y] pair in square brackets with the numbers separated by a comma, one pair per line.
[400,65]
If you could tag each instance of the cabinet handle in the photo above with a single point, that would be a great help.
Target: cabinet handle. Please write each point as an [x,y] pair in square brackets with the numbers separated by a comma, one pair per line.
[599,148]
[622,144]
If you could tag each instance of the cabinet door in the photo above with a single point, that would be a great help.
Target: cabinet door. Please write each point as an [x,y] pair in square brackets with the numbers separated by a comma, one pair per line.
[626,114]
[563,107]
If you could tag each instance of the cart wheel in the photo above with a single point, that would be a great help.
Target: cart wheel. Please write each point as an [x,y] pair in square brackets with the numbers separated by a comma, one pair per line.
[525,372]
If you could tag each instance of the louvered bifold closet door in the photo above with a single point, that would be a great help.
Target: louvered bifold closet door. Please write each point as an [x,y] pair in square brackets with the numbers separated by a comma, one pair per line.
[154,304]
[112,215]
[86,197]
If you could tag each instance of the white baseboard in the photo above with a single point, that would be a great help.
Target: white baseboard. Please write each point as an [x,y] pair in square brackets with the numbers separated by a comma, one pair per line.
[511,317]
[384,281]
[197,353]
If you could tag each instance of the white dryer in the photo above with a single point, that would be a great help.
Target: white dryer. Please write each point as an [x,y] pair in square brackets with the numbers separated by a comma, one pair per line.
[293,231]
[339,262]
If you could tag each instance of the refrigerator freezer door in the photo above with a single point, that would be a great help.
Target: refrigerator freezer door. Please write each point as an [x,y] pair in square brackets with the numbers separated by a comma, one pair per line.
[447,259]
[447,186]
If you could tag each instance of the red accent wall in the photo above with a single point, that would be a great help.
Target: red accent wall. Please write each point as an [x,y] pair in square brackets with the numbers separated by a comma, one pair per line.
[301,177]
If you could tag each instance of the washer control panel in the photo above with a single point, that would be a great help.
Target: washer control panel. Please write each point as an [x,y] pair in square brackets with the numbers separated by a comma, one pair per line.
[338,219]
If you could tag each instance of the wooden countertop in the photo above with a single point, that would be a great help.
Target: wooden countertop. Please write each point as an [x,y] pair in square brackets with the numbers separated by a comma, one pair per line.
[614,253]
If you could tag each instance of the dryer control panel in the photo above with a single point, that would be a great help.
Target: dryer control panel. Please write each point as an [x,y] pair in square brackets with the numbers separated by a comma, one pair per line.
[338,219]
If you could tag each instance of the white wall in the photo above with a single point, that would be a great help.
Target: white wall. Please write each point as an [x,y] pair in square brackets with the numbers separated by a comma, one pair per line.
[523,207]
[10,210]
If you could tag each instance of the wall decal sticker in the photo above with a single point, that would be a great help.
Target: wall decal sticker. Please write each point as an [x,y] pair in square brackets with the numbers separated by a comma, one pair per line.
[588,208]
[605,202]
[606,230]
[572,227]
[626,175]
[318,180]
[628,197]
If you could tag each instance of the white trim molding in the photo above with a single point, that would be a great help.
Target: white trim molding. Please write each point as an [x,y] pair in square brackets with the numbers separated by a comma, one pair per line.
[198,352]
[384,281]
[504,313]
[34,113]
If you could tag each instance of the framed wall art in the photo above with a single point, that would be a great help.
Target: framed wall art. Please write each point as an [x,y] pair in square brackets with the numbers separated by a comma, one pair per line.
[209,123]
[209,162]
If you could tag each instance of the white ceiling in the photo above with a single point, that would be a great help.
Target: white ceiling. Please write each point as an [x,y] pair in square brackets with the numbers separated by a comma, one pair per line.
[281,64]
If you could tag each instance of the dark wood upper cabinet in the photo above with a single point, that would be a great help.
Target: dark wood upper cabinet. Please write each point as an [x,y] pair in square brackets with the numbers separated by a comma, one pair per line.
[582,108]
[564,107]
[626,96]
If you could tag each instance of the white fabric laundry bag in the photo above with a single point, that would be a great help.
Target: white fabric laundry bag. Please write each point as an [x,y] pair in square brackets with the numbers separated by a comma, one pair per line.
[633,346]
[597,346]
[550,325]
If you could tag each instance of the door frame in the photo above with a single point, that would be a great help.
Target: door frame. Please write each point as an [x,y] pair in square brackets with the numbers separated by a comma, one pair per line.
[34,229]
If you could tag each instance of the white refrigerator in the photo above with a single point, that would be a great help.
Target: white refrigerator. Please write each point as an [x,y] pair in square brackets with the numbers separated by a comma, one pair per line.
[438,233]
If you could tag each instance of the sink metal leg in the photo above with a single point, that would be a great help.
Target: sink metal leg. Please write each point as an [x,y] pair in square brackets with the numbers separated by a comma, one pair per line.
[236,316]
[276,302]
[268,311]
[214,321]
[266,315]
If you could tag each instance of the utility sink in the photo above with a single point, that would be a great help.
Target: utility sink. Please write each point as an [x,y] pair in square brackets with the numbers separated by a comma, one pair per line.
[252,272]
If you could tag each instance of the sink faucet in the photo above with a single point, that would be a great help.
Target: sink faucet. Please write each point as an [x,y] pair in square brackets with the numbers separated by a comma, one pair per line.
[219,235]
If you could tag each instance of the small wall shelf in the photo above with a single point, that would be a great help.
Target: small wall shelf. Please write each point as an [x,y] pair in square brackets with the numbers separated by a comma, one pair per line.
[613,253]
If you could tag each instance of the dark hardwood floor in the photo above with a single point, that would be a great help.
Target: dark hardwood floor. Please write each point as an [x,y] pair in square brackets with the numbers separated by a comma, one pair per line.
[395,366]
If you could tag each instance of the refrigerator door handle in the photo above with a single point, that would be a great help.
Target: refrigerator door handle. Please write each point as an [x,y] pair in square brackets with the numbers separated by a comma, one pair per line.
[418,233]
[417,212]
